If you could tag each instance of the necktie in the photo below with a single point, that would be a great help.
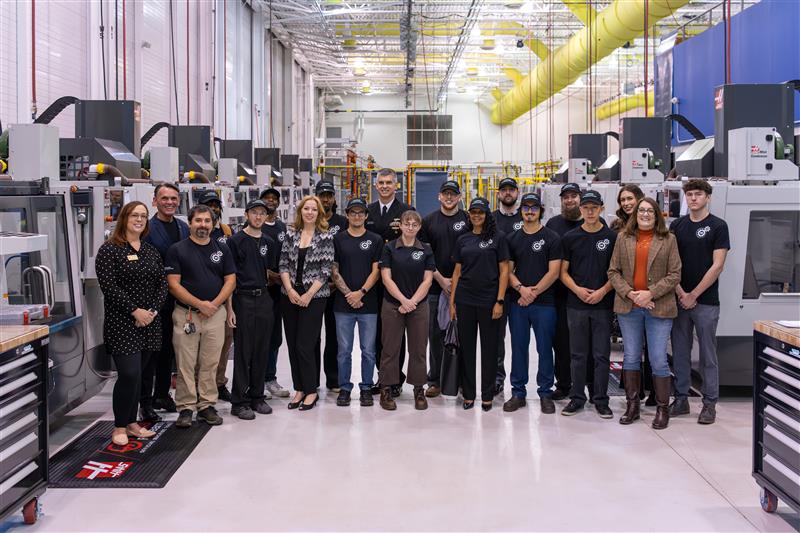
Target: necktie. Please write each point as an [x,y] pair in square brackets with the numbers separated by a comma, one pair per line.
[384,209]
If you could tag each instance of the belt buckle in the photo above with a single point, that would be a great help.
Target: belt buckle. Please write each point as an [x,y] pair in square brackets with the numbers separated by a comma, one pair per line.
[258,292]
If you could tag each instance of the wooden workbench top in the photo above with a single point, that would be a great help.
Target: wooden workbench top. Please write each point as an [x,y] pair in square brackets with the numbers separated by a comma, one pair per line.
[782,333]
[14,336]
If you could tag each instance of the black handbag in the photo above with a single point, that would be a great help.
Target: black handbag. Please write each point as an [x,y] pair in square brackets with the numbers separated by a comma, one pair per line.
[450,375]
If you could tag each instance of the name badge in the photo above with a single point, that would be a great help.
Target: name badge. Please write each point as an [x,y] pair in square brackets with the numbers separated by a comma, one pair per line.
[133,257]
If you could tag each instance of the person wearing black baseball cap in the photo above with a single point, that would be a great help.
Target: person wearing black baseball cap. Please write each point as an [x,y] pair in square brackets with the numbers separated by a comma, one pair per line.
[357,253]
[535,264]
[275,228]
[569,219]
[440,229]
[220,233]
[250,312]
[584,271]
[478,293]
[325,191]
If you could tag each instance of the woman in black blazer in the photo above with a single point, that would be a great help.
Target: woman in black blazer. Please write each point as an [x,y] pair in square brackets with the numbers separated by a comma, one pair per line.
[131,277]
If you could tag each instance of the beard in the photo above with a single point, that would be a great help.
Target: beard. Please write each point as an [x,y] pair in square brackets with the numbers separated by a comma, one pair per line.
[571,213]
[508,201]
[202,233]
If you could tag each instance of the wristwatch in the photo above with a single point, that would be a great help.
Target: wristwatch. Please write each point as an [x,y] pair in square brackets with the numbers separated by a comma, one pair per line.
[363,290]
[517,286]
[501,301]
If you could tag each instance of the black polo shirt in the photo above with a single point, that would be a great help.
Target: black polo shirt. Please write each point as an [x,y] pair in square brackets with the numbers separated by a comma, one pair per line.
[531,254]
[202,267]
[253,257]
[508,224]
[408,265]
[696,244]
[441,232]
[480,260]
[337,224]
[355,256]
[589,255]
[561,226]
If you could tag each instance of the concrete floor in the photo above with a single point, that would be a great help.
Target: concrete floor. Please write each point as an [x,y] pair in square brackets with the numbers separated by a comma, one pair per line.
[365,469]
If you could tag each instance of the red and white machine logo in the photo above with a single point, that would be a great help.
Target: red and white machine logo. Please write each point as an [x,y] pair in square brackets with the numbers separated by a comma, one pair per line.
[96,469]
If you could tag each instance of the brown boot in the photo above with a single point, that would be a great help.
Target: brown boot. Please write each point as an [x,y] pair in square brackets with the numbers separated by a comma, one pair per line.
[387,402]
[662,387]
[420,403]
[632,380]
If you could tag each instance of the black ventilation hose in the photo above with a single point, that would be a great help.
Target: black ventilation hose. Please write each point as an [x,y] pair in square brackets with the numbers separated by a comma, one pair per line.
[55,108]
[158,126]
[691,128]
[613,134]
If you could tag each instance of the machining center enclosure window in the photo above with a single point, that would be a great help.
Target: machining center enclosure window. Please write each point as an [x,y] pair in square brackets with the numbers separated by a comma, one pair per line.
[773,254]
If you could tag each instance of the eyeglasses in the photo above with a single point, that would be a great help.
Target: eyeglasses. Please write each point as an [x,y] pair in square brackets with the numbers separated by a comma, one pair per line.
[645,211]
[526,208]
[357,213]
[259,214]
[411,225]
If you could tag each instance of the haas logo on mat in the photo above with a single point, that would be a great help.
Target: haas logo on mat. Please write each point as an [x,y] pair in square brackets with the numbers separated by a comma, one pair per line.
[132,446]
[96,469]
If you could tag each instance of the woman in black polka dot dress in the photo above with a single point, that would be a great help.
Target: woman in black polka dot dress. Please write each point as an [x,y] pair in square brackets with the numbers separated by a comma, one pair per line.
[134,286]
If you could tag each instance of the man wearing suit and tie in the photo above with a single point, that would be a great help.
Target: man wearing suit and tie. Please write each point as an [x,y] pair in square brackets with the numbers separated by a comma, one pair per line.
[384,219]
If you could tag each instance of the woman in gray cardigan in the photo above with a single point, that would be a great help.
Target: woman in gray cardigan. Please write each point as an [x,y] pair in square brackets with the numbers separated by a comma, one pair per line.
[305,267]
[645,269]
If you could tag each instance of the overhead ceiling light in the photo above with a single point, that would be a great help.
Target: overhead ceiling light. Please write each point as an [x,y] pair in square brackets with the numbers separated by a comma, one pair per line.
[472,71]
[514,4]
[365,84]
[349,44]
[359,71]
[487,44]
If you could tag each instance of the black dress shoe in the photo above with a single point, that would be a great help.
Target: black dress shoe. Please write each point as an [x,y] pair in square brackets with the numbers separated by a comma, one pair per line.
[375,390]
[295,405]
[148,414]
[547,405]
[486,406]
[309,406]
[513,404]
[224,393]
[343,399]
[167,404]
[498,388]
[559,394]
[467,405]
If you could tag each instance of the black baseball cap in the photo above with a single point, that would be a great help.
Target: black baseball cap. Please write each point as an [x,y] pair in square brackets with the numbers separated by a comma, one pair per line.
[591,197]
[531,198]
[270,190]
[255,203]
[210,196]
[508,182]
[479,203]
[356,202]
[324,186]
[570,187]
[450,185]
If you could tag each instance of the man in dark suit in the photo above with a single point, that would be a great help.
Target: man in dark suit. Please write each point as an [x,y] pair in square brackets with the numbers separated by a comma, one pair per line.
[165,230]
[384,219]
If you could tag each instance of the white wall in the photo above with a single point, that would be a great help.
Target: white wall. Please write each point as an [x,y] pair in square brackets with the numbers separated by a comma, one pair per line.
[68,62]
[475,137]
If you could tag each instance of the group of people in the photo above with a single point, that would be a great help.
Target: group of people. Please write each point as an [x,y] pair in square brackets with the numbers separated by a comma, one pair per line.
[181,292]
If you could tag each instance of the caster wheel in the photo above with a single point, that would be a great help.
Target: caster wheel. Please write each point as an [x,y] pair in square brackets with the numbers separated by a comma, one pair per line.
[769,502]
[30,512]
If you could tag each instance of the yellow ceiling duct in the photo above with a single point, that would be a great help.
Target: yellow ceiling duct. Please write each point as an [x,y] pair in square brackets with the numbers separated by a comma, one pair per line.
[621,105]
[513,74]
[583,11]
[619,23]
[497,93]
[538,47]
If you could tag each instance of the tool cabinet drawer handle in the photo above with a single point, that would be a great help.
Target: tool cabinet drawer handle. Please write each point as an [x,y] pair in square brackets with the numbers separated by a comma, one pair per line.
[17,383]
[17,446]
[777,374]
[8,367]
[793,361]
[22,422]
[785,398]
[8,484]
[16,404]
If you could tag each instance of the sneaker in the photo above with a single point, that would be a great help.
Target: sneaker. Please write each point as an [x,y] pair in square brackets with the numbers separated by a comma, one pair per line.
[261,407]
[604,411]
[343,400]
[184,419]
[708,415]
[513,404]
[433,391]
[547,405]
[167,404]
[498,388]
[242,411]
[365,399]
[275,389]
[680,406]
[572,408]
[210,416]
[397,390]
[224,393]
[559,394]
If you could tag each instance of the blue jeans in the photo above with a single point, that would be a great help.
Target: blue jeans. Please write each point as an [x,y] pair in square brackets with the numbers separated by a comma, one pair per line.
[634,326]
[367,330]
[543,320]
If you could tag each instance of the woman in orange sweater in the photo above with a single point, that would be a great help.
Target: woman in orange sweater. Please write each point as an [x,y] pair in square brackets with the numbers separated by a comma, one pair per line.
[645,269]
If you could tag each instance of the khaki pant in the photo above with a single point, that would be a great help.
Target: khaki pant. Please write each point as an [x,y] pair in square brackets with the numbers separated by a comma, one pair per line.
[197,354]
[223,356]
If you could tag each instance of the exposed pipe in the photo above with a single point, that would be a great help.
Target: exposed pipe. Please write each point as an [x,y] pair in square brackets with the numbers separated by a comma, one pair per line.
[155,128]
[619,23]
[55,108]
[188,87]
[688,126]
[225,67]
[116,50]
[124,54]
[33,59]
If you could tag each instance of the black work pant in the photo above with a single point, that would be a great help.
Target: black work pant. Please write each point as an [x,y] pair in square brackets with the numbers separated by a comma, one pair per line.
[563,356]
[250,346]
[501,344]
[435,335]
[590,336]
[328,358]
[379,337]
[125,398]
[472,318]
[276,338]
[302,325]
[157,374]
